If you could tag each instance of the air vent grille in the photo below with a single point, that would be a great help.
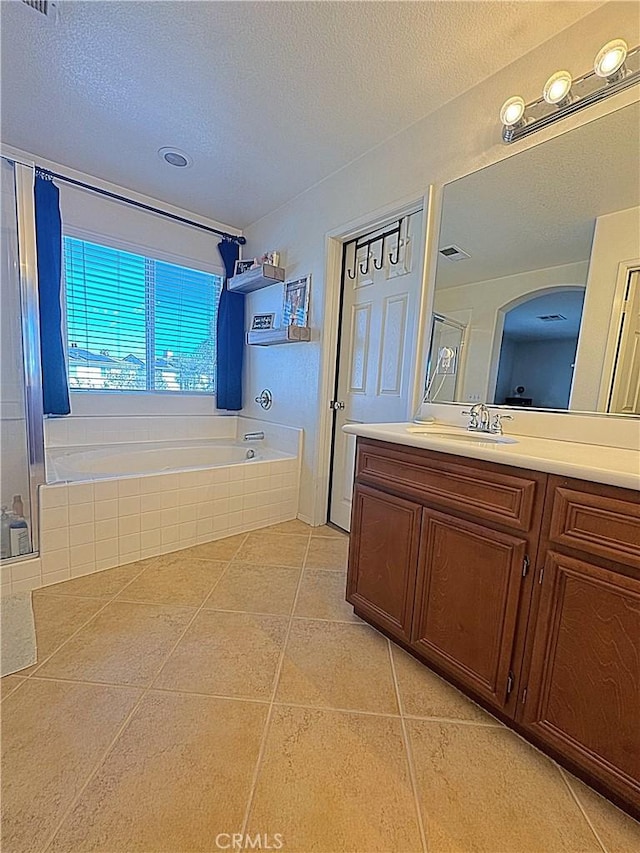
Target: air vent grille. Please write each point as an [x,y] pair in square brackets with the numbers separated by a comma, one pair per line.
[45,7]
[551,318]
[454,253]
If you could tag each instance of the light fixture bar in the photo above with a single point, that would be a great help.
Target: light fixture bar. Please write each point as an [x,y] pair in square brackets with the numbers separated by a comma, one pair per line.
[585,91]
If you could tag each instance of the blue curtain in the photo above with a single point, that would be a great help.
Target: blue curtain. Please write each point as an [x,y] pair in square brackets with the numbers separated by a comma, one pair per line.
[230,336]
[55,387]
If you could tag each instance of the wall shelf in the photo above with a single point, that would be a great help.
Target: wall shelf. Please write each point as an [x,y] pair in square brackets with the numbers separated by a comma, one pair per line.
[262,276]
[286,335]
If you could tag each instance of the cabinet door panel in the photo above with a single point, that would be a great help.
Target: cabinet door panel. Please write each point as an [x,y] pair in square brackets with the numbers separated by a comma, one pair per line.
[584,685]
[468,591]
[383,558]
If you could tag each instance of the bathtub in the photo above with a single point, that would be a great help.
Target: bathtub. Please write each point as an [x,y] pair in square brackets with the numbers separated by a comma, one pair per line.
[72,464]
[112,504]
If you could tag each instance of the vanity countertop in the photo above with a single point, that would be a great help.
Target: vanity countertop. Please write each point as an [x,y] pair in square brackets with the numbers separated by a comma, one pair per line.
[598,463]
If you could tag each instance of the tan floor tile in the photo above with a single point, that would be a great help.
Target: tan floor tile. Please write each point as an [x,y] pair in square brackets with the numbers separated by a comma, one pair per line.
[322,596]
[57,617]
[174,579]
[255,589]
[228,654]
[424,694]
[178,776]
[483,789]
[337,665]
[333,782]
[53,734]
[328,531]
[274,549]
[8,683]
[125,644]
[221,549]
[618,832]
[326,552]
[293,526]
[104,584]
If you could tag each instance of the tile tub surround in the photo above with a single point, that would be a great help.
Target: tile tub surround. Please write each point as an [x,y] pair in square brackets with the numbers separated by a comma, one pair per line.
[90,526]
[160,715]
[94,525]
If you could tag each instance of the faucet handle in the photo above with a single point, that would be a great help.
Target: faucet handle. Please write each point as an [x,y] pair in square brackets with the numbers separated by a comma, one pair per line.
[496,425]
[473,424]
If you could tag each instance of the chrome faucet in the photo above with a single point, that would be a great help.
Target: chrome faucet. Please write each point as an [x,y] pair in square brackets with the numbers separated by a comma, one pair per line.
[481,421]
[253,436]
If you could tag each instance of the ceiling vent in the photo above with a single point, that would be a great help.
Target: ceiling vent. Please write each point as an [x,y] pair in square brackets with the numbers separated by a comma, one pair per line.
[454,253]
[551,318]
[46,7]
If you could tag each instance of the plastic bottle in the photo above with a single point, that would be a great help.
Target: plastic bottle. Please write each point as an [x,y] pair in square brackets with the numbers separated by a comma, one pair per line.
[19,539]
[5,535]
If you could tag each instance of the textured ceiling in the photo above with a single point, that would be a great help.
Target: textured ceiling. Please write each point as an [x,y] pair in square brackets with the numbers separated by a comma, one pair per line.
[267,97]
[538,208]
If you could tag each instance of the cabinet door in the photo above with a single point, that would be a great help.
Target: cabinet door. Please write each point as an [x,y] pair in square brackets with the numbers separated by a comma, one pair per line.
[583,695]
[385,536]
[469,581]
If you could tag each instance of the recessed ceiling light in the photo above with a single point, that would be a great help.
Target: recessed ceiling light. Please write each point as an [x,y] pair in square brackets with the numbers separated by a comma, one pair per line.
[175,157]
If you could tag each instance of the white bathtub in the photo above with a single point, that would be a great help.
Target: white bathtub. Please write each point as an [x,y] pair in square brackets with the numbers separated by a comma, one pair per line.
[71,464]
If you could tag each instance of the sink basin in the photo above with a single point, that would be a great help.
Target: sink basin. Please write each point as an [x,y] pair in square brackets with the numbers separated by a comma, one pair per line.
[463,435]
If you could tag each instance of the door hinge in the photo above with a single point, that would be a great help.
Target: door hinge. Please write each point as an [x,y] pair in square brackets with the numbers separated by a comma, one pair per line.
[541,575]
[336,405]
[524,695]
[525,565]
[510,680]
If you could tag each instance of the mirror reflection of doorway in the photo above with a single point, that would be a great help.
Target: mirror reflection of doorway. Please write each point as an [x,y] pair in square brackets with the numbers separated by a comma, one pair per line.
[445,353]
[538,350]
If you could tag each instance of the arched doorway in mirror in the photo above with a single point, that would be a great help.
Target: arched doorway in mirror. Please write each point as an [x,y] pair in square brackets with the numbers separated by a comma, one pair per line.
[537,348]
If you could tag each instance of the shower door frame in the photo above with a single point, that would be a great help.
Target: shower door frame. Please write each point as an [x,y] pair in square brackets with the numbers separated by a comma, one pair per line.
[30,324]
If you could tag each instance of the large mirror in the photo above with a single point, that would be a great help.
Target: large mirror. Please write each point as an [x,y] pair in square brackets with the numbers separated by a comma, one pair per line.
[537,295]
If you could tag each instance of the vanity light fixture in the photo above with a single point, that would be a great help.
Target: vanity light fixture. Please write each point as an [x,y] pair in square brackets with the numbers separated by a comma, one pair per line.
[609,62]
[512,111]
[615,68]
[557,88]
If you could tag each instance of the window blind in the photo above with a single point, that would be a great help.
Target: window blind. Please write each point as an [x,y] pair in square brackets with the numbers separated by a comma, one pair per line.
[136,323]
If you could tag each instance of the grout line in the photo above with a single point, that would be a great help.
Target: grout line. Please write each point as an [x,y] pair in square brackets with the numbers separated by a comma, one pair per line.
[272,703]
[581,808]
[408,752]
[455,721]
[123,726]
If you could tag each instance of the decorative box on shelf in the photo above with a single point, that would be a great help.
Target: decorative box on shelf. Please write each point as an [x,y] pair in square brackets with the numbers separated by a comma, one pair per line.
[262,276]
[285,335]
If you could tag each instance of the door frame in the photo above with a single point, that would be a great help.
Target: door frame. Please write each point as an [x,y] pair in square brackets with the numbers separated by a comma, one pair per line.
[625,270]
[334,241]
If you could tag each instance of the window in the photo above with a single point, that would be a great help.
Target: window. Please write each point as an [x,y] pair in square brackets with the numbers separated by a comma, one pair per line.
[138,324]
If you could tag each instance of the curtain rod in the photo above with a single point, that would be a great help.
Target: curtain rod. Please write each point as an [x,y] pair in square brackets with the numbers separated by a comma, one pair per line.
[235,238]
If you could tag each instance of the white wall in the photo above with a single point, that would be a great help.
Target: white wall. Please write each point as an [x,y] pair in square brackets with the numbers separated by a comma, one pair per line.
[483,300]
[616,239]
[461,137]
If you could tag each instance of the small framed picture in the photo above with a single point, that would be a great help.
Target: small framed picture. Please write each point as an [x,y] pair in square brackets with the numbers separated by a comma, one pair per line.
[295,310]
[243,266]
[262,321]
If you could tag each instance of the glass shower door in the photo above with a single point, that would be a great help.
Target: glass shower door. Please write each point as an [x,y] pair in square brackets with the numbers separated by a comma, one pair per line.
[21,446]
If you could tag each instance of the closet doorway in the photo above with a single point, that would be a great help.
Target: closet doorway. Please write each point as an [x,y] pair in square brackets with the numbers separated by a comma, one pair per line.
[380,289]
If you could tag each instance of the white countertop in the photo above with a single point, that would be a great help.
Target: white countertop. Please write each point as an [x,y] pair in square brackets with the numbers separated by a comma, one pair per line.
[612,465]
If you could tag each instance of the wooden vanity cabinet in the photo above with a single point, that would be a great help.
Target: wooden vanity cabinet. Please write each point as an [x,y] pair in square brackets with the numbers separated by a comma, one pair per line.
[583,681]
[521,588]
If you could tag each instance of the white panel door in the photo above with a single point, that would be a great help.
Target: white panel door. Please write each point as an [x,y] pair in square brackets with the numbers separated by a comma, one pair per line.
[378,343]
[625,395]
